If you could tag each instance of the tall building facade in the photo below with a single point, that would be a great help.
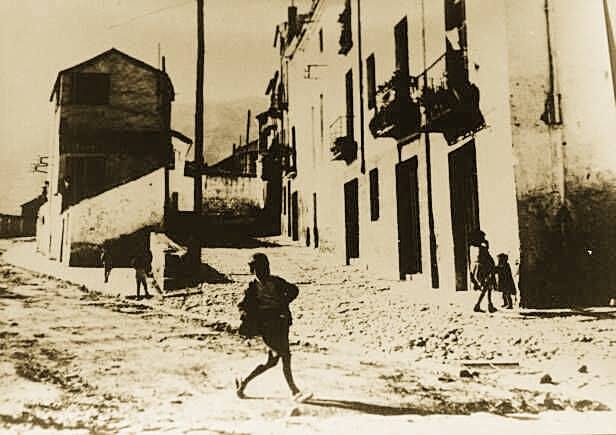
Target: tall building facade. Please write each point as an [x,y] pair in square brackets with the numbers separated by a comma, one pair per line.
[411,124]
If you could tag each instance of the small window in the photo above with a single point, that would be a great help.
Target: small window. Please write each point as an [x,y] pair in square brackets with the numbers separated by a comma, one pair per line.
[370,76]
[91,88]
[374,194]
[402,47]
[321,40]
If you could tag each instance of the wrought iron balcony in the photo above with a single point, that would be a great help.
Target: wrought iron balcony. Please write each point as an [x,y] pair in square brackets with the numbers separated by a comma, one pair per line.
[397,113]
[343,145]
[451,103]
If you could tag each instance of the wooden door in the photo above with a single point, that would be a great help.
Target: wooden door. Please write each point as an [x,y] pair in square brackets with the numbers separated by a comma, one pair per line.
[351,219]
[464,207]
[409,235]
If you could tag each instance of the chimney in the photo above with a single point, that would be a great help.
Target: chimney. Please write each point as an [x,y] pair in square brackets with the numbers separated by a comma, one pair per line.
[292,21]
[163,64]
[248,127]
[234,148]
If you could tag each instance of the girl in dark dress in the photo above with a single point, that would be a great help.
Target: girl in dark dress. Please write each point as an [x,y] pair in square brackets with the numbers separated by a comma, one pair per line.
[506,285]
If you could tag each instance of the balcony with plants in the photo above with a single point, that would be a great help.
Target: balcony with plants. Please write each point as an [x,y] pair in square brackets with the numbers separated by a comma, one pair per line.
[451,101]
[397,113]
[343,145]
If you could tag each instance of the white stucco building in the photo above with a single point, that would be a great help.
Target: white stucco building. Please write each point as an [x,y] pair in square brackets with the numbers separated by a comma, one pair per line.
[413,123]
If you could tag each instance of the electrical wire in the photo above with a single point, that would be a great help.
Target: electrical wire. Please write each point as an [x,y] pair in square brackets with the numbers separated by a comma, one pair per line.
[137,17]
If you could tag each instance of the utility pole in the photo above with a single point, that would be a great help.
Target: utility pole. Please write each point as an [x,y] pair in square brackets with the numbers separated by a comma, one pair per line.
[432,236]
[195,244]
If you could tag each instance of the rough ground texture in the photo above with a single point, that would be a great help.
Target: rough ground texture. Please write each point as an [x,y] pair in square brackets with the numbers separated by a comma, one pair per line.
[380,357]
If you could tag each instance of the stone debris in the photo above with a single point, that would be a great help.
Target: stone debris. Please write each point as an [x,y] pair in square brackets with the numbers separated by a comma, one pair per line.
[546,379]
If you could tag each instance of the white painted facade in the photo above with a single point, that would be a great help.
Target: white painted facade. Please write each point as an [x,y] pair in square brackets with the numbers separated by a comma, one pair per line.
[517,154]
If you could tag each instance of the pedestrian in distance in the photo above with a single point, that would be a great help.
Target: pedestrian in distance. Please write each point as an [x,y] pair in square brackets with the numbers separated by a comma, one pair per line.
[265,312]
[141,263]
[506,285]
[107,261]
[482,269]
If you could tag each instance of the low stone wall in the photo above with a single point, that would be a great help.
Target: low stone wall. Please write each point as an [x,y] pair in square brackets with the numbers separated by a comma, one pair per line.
[233,195]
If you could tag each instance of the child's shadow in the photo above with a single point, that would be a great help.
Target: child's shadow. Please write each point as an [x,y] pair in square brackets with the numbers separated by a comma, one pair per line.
[353,405]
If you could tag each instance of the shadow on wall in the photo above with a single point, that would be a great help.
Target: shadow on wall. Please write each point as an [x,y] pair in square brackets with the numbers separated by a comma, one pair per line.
[220,231]
[123,249]
[568,250]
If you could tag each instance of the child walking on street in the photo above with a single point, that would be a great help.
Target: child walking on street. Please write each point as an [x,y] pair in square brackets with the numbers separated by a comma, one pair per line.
[482,269]
[106,260]
[266,304]
[141,263]
[506,285]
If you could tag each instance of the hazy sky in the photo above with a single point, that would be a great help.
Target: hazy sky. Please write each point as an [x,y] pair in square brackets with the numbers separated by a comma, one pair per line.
[38,38]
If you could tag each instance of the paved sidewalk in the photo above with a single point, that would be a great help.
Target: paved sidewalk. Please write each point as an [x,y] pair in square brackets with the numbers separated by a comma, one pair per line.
[121,281]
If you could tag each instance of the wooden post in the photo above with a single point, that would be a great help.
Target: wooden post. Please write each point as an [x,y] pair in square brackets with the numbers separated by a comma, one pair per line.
[195,243]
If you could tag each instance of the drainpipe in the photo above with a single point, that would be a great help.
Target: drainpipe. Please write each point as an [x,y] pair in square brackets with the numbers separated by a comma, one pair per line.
[611,44]
[554,119]
[361,90]
[433,258]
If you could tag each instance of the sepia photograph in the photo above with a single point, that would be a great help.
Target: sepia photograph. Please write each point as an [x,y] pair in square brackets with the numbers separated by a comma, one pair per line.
[308,217]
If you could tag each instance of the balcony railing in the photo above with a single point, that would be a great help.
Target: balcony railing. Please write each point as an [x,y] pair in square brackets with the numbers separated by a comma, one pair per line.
[343,145]
[451,102]
[397,113]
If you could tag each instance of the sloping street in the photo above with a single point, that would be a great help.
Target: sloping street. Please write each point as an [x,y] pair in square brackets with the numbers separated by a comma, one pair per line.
[79,361]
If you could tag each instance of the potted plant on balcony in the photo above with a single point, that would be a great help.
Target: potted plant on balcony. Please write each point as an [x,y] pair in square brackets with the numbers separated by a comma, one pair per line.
[397,114]
[344,148]
[453,110]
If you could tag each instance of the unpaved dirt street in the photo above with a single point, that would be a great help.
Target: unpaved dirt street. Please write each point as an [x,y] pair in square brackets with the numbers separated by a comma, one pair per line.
[73,361]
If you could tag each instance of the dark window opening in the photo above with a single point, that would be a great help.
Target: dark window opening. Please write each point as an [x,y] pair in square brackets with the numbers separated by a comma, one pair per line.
[349,104]
[402,47]
[293,148]
[371,79]
[91,88]
[455,31]
[374,194]
[346,35]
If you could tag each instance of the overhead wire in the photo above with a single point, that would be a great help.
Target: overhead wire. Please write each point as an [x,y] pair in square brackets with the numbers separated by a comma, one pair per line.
[146,14]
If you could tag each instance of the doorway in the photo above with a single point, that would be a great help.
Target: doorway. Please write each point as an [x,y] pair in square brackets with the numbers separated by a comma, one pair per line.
[409,238]
[351,219]
[464,201]
[294,216]
[315,227]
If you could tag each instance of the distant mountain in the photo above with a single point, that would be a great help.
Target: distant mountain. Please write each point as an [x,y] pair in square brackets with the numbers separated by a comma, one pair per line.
[224,123]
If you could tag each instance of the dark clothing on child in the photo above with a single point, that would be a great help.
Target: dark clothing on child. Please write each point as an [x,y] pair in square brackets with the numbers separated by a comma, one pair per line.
[482,272]
[107,263]
[141,263]
[265,312]
[505,279]
[266,307]
[506,285]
